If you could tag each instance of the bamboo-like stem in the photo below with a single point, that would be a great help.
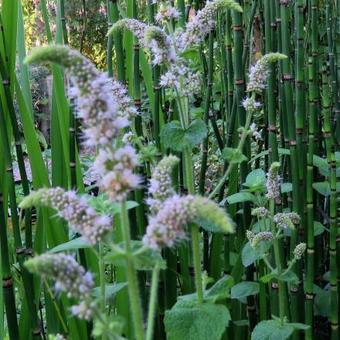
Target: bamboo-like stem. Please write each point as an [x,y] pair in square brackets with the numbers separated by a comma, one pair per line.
[309,316]
[20,251]
[289,113]
[270,92]
[7,281]
[329,146]
[134,297]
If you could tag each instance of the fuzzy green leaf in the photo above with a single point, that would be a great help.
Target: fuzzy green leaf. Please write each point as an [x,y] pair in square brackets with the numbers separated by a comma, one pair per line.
[143,258]
[176,138]
[233,156]
[192,321]
[239,197]
[274,330]
[250,255]
[77,243]
[111,290]
[244,289]
[255,180]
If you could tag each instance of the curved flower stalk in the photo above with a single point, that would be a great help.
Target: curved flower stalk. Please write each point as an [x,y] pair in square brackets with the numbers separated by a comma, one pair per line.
[182,80]
[150,37]
[286,220]
[258,73]
[161,183]
[273,182]
[204,22]
[166,13]
[96,105]
[105,110]
[70,277]
[168,226]
[255,239]
[75,210]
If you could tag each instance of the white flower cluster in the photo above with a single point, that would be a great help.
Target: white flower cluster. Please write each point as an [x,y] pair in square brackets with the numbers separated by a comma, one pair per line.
[255,239]
[105,110]
[251,105]
[299,251]
[115,169]
[166,13]
[150,37]
[286,220]
[167,226]
[70,277]
[181,78]
[161,184]
[75,210]
[259,72]
[273,182]
[204,21]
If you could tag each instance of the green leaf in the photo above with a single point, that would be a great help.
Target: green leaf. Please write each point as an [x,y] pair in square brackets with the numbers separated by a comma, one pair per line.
[233,156]
[77,243]
[273,330]
[111,290]
[255,180]
[268,277]
[318,228]
[220,290]
[176,138]
[102,205]
[250,255]
[243,196]
[286,187]
[192,321]
[143,258]
[322,303]
[244,289]
[290,276]
[323,188]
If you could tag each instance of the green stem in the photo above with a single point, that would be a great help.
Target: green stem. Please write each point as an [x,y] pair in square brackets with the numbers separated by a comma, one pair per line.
[135,303]
[152,303]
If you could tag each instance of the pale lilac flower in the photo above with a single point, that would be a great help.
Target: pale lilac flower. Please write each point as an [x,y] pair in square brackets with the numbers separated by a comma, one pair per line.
[261,236]
[70,278]
[115,169]
[254,131]
[258,73]
[153,38]
[273,182]
[299,250]
[167,227]
[251,105]
[166,14]
[181,78]
[105,109]
[160,187]
[75,210]
[286,220]
[260,212]
[204,21]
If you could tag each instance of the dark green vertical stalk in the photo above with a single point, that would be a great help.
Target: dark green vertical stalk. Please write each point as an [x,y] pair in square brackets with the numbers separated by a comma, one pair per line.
[116,39]
[205,144]
[312,99]
[329,146]
[294,162]
[7,281]
[270,92]
[20,251]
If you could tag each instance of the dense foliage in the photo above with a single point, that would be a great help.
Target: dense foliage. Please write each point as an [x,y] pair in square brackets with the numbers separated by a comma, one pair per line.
[169,169]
